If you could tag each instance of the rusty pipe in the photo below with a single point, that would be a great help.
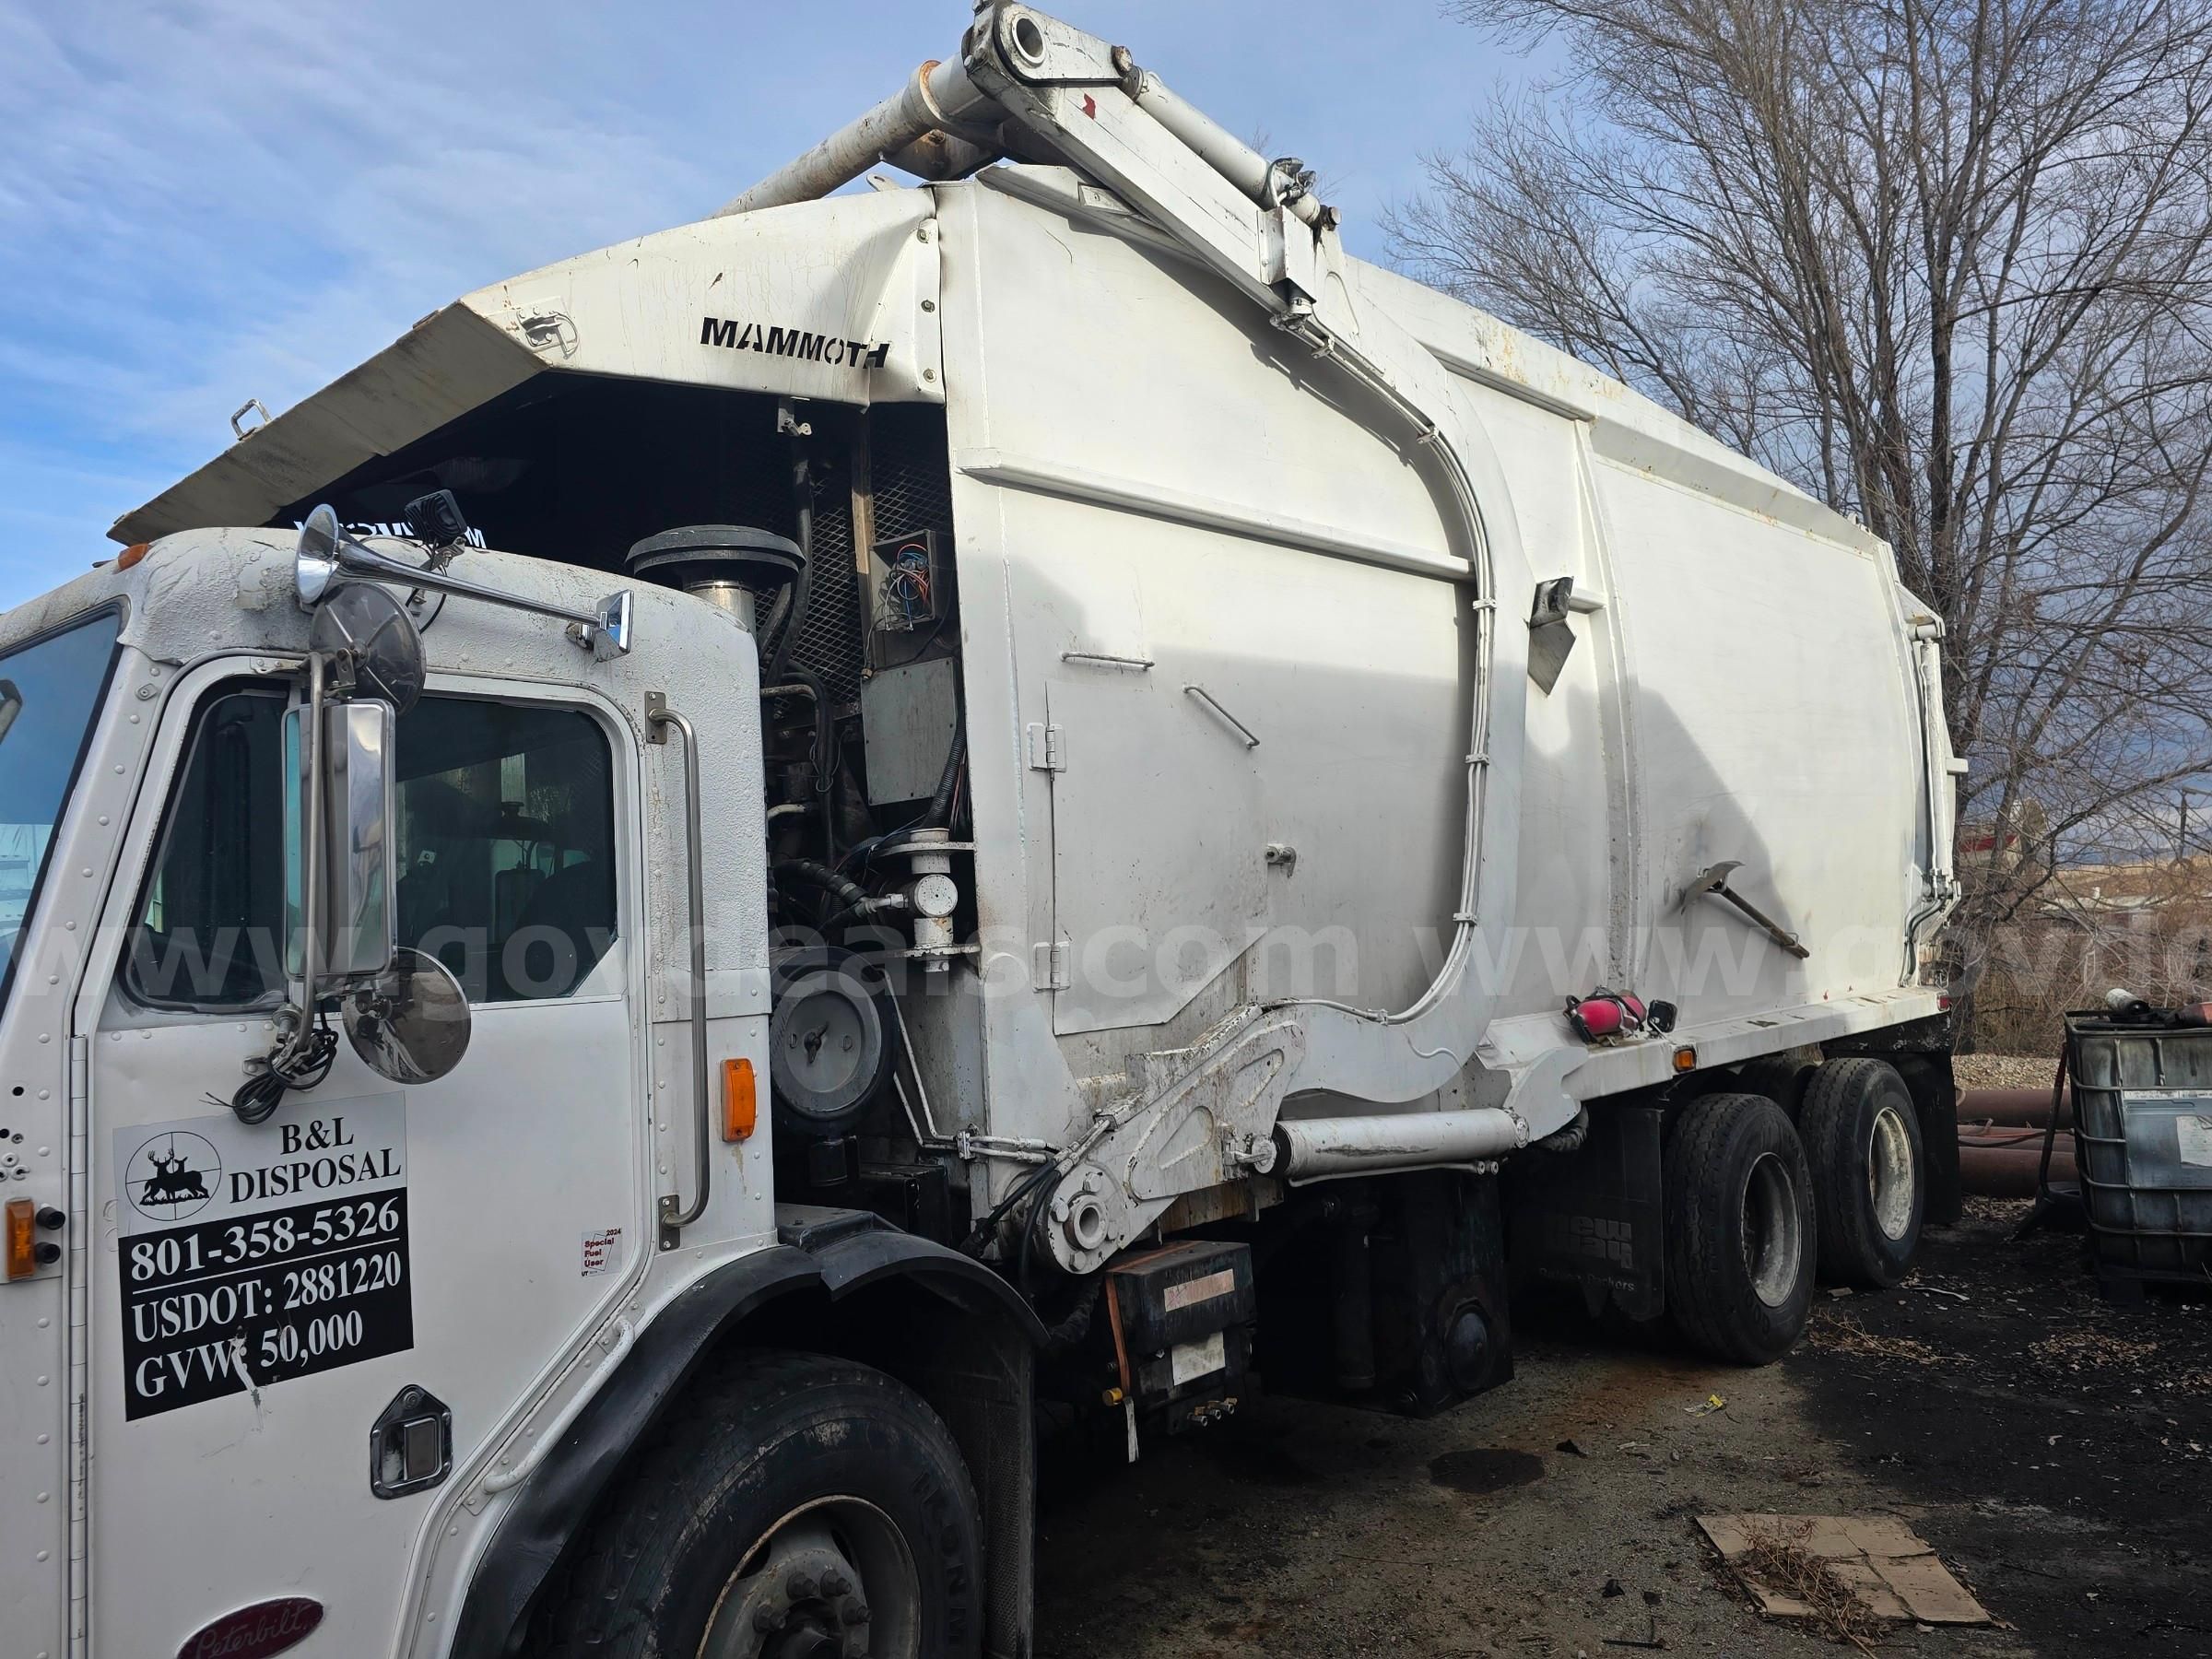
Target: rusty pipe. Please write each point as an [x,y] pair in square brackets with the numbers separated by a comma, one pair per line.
[2022,1108]
[937,98]
[2009,1171]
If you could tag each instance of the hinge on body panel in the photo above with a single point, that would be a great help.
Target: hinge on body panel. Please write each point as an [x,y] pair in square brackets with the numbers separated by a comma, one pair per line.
[1047,751]
[1049,964]
[77,1130]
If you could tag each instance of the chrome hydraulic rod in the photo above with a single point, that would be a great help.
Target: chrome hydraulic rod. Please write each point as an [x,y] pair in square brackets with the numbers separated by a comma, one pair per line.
[1214,144]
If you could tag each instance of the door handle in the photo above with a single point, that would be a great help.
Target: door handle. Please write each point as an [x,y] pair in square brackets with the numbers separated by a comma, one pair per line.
[1251,738]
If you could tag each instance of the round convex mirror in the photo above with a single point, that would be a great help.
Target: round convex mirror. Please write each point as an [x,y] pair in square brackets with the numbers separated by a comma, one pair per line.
[370,626]
[411,1022]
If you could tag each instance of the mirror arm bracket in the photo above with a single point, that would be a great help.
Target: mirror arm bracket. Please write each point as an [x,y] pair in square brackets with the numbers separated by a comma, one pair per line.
[327,552]
[311,871]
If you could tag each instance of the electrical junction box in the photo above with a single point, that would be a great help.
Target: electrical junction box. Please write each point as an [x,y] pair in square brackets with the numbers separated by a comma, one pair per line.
[909,579]
[908,715]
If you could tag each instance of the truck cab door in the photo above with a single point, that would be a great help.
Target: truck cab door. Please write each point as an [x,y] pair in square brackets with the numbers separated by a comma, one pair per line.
[302,1327]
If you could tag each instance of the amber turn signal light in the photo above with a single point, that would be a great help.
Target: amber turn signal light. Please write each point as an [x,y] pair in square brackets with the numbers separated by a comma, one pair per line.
[740,1109]
[1685,1059]
[22,1238]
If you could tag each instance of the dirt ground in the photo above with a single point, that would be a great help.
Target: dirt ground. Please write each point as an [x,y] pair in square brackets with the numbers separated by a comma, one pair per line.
[2056,1450]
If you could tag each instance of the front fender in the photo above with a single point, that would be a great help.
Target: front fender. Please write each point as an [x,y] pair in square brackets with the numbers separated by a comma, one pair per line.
[835,1251]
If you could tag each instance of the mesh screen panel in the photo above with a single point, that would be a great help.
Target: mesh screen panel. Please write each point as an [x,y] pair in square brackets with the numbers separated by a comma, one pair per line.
[908,466]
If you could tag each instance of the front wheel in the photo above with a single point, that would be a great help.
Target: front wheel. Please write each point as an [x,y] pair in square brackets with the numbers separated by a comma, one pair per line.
[1740,1237]
[796,1506]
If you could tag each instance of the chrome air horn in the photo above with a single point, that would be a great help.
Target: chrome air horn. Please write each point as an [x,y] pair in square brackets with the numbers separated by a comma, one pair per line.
[326,554]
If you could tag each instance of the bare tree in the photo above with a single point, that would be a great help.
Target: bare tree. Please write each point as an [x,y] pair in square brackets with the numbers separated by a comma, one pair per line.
[1946,265]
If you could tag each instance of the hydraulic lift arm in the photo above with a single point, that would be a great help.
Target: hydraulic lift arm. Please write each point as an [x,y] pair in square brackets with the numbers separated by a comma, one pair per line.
[1029,88]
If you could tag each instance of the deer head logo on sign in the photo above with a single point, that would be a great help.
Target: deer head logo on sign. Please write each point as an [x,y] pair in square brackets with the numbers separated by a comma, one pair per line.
[173,1177]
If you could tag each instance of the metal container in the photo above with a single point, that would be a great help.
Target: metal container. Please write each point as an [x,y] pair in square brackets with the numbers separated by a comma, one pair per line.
[2143,1141]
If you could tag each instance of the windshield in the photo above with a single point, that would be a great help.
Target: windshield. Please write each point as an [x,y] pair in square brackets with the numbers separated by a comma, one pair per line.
[49,691]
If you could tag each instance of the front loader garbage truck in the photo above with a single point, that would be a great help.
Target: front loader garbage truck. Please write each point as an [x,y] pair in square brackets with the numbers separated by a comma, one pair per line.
[636,929]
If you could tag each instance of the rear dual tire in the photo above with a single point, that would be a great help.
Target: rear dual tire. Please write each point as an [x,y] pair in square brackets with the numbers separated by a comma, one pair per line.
[1862,1136]
[1741,1231]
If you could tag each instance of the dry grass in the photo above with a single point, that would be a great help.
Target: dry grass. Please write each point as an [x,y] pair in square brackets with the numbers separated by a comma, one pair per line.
[1779,1560]
[1838,1335]
[2090,1350]
[1997,1212]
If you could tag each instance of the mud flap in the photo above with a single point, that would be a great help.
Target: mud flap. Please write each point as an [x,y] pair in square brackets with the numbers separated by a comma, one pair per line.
[1591,1219]
[1935,1102]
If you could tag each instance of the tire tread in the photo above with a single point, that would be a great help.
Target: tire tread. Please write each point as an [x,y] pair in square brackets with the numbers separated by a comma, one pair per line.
[1699,1279]
[1827,1126]
[671,1463]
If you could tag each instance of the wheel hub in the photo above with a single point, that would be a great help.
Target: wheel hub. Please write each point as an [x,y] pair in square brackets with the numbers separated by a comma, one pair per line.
[803,1591]
[1889,1172]
[1772,1232]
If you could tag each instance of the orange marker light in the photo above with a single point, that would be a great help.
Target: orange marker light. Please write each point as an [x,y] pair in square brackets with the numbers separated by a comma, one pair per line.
[740,1110]
[131,554]
[1685,1059]
[22,1242]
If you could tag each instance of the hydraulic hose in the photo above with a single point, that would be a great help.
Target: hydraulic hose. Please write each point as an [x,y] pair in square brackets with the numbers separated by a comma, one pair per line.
[940,802]
[848,901]
[849,894]
[802,488]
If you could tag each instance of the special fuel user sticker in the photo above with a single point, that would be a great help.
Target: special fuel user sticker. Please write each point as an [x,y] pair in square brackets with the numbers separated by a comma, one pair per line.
[250,1254]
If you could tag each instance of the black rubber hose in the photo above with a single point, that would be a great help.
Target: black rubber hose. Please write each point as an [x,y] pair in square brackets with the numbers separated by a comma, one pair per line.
[765,628]
[802,485]
[940,803]
[890,904]
[805,872]
[1070,1332]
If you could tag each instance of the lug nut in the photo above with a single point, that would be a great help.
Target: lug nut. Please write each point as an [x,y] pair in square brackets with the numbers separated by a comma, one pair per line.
[799,1586]
[835,1584]
[766,1619]
[855,1612]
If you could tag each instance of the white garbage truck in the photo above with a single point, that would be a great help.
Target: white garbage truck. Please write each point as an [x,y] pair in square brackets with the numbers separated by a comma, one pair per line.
[635,930]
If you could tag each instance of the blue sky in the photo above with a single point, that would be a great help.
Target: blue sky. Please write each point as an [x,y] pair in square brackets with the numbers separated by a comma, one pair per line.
[204,201]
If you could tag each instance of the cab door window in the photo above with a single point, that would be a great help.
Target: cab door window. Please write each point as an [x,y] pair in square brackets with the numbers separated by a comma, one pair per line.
[208,934]
[505,827]
[506,844]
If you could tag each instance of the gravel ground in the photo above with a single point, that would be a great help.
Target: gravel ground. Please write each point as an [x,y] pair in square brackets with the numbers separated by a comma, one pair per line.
[2053,1449]
[2004,1071]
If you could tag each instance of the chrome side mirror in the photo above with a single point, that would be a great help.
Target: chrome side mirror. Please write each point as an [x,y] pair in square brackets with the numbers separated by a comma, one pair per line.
[349,931]
[410,1023]
[372,645]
